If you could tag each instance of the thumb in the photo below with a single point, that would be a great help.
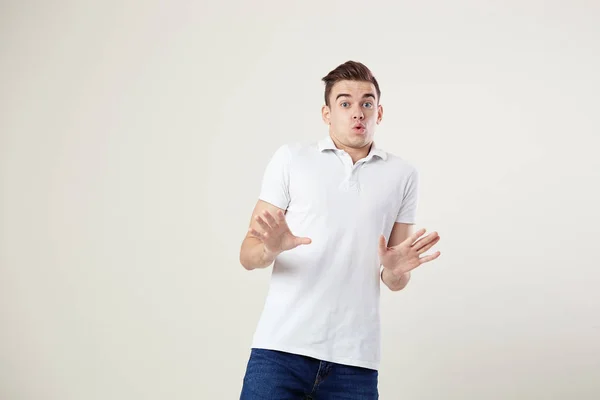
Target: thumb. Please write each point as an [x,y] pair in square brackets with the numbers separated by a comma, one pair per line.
[382,245]
[303,240]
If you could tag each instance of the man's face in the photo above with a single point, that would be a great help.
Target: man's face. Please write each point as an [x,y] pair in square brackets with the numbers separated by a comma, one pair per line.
[353,113]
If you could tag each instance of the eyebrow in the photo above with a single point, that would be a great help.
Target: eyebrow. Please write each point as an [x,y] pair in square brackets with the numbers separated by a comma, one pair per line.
[347,95]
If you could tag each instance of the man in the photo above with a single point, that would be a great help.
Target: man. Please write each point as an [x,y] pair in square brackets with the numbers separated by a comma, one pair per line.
[353,207]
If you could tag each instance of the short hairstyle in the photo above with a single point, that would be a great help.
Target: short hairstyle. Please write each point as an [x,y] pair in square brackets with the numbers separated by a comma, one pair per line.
[349,71]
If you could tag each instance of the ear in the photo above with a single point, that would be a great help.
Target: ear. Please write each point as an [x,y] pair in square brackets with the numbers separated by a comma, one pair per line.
[326,114]
[379,114]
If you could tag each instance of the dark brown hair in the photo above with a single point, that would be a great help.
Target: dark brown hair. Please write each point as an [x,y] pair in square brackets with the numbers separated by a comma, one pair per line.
[349,71]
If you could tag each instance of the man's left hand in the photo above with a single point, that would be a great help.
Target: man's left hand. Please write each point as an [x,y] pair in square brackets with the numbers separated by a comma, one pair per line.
[408,255]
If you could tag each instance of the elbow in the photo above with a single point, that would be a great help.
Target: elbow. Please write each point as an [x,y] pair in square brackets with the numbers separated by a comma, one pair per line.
[395,288]
[243,262]
[404,284]
[401,285]
[398,289]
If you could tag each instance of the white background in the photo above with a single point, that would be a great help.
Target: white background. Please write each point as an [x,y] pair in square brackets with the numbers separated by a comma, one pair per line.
[133,137]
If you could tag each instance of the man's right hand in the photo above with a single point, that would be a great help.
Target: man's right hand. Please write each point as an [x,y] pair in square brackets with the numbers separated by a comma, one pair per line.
[275,234]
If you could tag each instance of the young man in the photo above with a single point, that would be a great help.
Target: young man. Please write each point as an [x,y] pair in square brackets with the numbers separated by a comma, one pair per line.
[334,217]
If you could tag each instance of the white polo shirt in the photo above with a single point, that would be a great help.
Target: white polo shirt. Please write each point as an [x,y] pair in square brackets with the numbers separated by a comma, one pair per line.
[323,299]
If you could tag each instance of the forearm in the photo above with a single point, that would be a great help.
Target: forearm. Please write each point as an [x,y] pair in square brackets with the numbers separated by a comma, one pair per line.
[253,254]
[392,282]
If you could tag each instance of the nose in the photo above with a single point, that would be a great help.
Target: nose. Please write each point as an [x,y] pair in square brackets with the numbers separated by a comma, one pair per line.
[358,114]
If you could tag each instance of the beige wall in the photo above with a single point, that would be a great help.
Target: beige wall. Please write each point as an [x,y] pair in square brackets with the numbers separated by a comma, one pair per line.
[132,143]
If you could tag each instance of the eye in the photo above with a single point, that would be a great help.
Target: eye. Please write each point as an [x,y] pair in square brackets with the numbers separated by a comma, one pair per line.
[368,104]
[345,104]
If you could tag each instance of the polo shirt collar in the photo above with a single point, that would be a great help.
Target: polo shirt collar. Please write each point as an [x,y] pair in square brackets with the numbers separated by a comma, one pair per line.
[327,144]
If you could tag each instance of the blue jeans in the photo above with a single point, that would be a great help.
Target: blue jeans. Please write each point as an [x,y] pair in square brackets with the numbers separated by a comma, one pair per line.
[278,375]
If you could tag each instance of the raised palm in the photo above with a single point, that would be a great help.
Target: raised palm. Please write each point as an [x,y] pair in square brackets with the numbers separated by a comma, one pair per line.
[276,234]
[408,255]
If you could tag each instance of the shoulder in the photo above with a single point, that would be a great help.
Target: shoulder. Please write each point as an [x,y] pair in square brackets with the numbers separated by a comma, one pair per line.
[401,166]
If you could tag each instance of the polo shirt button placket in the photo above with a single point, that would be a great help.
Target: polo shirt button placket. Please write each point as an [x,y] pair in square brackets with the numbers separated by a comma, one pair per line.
[351,181]
[349,184]
[348,163]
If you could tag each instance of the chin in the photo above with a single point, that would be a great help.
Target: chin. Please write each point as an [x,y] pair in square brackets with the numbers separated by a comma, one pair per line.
[359,137]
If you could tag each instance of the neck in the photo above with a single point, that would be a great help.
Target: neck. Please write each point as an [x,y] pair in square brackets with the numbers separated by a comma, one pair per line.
[355,153]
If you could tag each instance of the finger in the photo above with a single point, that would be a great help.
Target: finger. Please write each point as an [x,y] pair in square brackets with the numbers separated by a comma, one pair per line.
[270,220]
[412,238]
[256,233]
[262,223]
[424,240]
[303,240]
[281,219]
[432,257]
[280,216]
[425,244]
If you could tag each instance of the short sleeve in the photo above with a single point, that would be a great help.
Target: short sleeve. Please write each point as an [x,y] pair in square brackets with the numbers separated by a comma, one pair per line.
[276,179]
[408,209]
